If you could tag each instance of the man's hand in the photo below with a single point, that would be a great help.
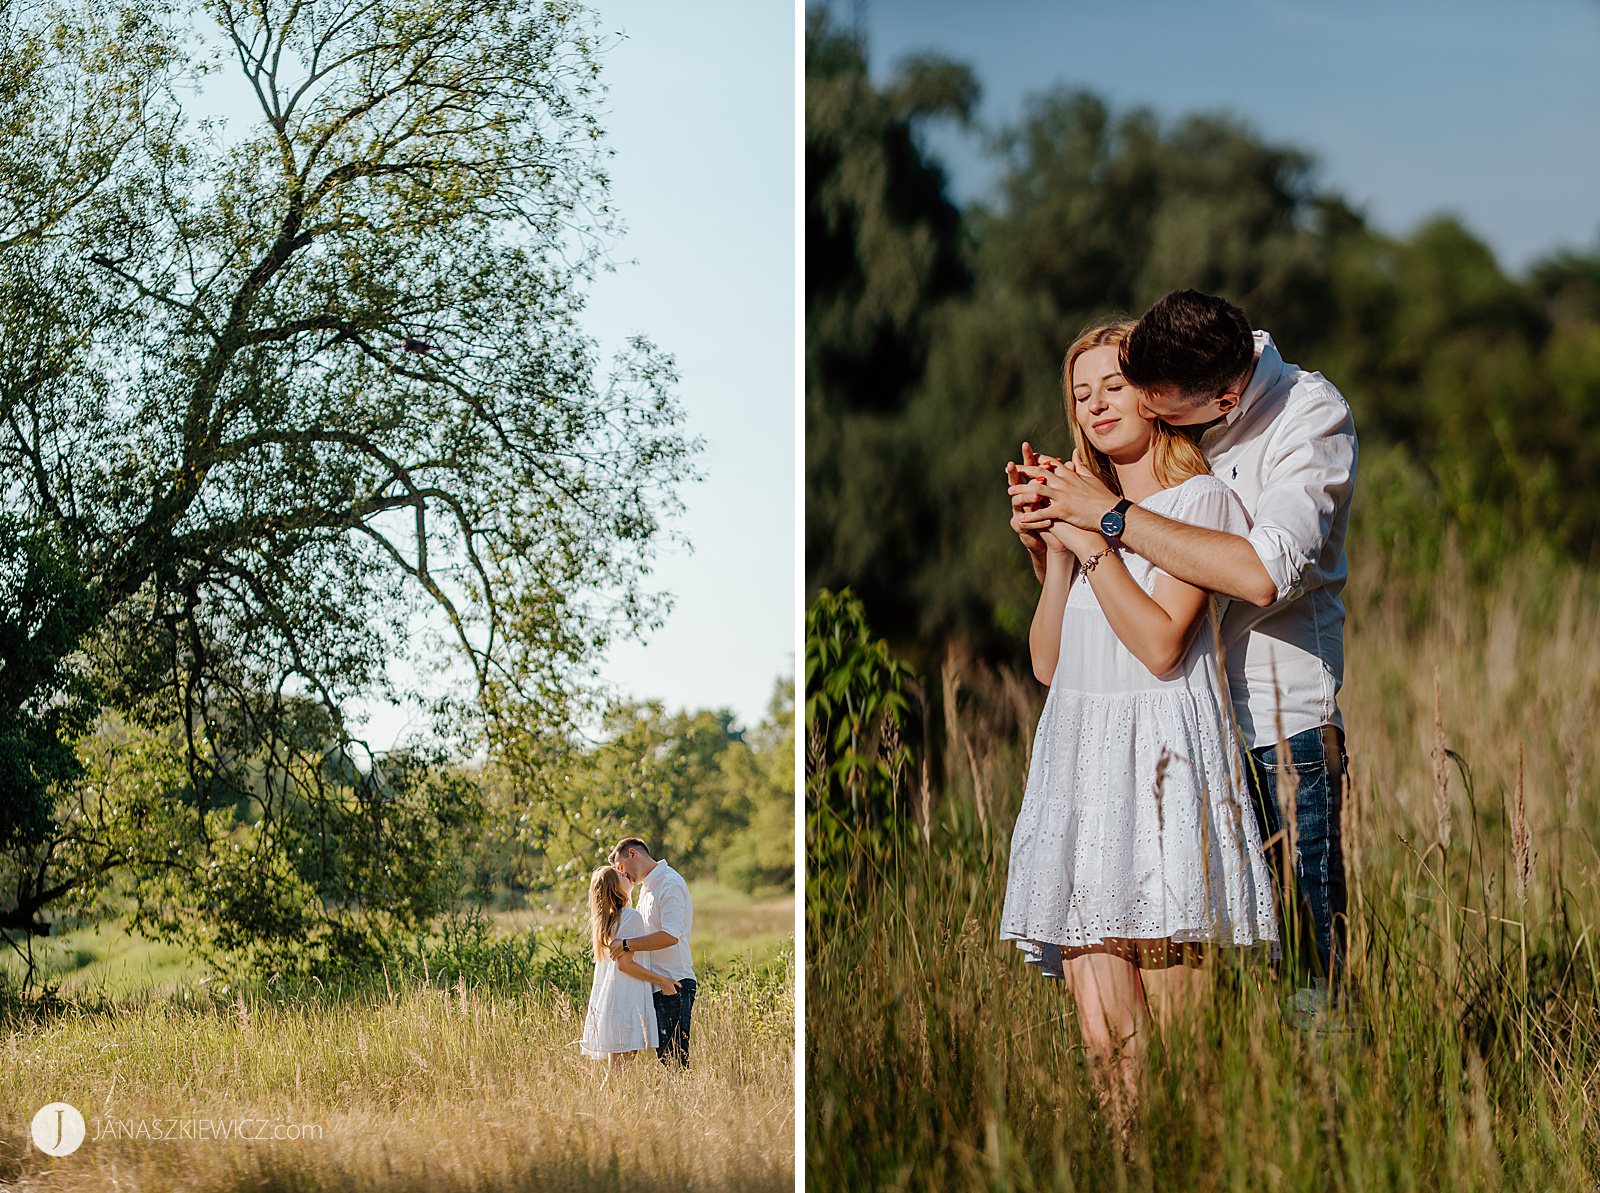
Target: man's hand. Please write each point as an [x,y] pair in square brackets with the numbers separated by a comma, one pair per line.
[616,950]
[1065,493]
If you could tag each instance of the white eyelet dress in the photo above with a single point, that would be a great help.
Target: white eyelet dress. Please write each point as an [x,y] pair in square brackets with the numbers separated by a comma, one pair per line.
[1136,821]
[622,1011]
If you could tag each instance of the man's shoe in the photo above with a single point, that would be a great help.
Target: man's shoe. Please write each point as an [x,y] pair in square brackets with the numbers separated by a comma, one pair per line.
[1312,1010]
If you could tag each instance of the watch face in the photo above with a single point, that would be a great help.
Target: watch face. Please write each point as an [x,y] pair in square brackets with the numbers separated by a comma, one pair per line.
[1111,524]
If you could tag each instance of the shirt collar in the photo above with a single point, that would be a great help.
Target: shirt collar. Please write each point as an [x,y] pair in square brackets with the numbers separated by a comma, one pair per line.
[657,873]
[1268,368]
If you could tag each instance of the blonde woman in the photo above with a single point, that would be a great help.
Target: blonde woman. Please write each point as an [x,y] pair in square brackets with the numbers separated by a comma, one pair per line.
[622,1016]
[1135,848]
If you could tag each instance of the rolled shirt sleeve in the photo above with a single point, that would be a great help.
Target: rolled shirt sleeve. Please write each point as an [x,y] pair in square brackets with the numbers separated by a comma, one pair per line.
[1308,481]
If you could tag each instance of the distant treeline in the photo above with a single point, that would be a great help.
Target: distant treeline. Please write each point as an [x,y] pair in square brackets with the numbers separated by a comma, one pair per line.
[713,798]
[934,335]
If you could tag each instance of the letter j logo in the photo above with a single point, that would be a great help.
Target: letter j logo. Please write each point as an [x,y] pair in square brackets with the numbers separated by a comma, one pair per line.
[58,1129]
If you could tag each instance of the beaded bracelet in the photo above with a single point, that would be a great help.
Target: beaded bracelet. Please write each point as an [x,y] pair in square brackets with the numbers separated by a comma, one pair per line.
[1093,561]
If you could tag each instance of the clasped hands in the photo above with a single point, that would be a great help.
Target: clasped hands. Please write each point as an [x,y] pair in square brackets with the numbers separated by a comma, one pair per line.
[1056,505]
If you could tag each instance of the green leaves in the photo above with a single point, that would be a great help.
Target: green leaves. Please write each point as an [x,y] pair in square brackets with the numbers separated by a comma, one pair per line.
[934,336]
[46,699]
[288,391]
[857,705]
[707,796]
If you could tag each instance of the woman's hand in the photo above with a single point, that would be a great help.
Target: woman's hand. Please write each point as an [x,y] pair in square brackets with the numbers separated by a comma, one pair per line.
[1033,537]
[1064,492]
[1080,543]
[1036,504]
[633,969]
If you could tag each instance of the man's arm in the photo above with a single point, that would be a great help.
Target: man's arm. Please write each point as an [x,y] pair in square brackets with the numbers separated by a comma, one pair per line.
[1209,559]
[1309,480]
[643,944]
[674,904]
[1309,483]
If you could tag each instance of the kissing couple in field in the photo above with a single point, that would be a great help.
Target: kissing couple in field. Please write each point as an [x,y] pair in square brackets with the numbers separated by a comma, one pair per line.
[1191,557]
[644,984]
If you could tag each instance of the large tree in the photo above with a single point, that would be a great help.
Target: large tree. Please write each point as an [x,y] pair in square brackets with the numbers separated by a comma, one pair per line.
[316,375]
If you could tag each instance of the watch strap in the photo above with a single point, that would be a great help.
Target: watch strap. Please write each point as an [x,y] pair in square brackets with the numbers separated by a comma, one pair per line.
[1112,522]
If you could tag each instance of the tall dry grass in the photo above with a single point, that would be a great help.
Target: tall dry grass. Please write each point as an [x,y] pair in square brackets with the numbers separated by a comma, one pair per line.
[937,1061]
[425,1087]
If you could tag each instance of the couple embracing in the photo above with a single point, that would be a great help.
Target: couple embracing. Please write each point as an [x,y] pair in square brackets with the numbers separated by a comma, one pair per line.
[1191,557]
[642,998]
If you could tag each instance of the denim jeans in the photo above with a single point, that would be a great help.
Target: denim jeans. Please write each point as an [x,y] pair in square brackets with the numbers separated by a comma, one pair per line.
[672,1022]
[1319,856]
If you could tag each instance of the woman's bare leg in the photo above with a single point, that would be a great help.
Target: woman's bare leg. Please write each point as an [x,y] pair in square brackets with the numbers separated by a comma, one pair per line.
[619,1060]
[1114,1021]
[1175,992]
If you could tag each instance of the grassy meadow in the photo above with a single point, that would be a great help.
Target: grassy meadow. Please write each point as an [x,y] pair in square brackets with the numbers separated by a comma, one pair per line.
[936,1060]
[409,1081]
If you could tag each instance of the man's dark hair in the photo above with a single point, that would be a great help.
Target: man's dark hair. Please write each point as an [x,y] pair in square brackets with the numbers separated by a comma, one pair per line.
[1196,343]
[628,843]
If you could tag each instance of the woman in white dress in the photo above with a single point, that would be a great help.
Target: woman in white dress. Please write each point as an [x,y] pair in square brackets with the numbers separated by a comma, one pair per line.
[1134,850]
[622,1014]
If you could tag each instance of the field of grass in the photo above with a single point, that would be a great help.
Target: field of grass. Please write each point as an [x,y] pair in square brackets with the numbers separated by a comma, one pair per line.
[408,1084]
[936,1060]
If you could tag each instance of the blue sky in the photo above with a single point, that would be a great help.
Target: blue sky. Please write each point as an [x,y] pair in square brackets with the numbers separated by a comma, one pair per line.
[1489,111]
[701,113]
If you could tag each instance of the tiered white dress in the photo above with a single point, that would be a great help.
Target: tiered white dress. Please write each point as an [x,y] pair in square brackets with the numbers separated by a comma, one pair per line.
[1136,822]
[622,1013]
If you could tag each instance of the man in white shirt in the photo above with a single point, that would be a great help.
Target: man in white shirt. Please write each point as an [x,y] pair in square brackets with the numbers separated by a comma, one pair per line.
[1284,441]
[669,914]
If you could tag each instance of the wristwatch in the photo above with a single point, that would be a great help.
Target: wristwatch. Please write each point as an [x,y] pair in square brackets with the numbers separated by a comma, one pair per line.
[626,947]
[1112,522]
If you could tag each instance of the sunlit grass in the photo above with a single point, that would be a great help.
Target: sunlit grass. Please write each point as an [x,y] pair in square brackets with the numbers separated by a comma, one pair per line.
[105,960]
[937,1060]
[406,1084]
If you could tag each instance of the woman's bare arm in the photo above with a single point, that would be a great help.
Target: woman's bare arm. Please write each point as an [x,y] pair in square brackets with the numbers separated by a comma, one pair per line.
[1044,635]
[1157,628]
[634,970]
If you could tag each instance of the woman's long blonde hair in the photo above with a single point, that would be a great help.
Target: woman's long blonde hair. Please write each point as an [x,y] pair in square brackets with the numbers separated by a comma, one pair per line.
[1177,457]
[606,902]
